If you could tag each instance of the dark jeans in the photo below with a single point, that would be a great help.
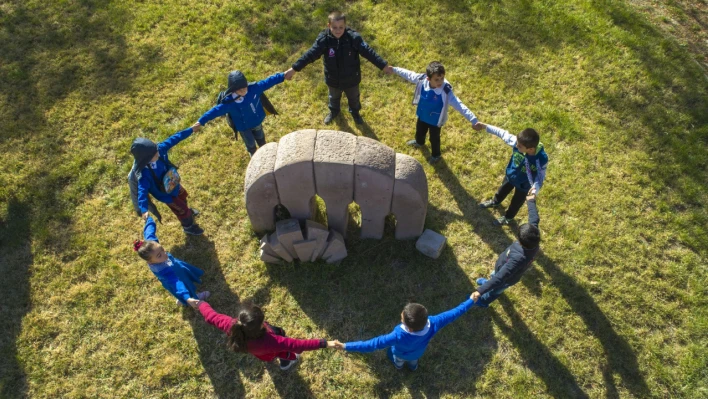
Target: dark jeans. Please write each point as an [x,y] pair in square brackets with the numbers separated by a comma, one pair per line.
[490,296]
[251,137]
[335,98]
[421,129]
[517,200]
[181,209]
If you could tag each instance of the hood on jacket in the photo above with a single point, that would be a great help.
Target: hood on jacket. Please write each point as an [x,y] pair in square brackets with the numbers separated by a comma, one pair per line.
[236,81]
[143,150]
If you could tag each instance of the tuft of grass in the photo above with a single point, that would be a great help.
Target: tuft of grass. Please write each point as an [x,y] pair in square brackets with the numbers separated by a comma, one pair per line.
[614,307]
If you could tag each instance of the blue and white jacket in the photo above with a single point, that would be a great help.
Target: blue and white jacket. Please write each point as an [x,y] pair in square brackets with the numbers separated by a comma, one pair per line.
[247,111]
[433,103]
[409,345]
[524,171]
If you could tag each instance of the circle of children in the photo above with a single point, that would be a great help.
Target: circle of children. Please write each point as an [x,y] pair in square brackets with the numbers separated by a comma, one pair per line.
[243,103]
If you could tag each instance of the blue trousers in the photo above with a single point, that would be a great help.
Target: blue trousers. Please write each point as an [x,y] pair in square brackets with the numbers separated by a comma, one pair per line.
[251,137]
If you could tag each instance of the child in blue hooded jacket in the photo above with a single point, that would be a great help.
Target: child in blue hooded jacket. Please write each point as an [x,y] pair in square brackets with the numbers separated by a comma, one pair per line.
[157,176]
[243,103]
[407,342]
[178,277]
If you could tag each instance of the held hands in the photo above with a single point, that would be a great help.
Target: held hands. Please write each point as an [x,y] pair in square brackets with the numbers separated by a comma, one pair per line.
[531,195]
[479,126]
[475,296]
[145,216]
[335,344]
[193,303]
[289,74]
[196,127]
[388,70]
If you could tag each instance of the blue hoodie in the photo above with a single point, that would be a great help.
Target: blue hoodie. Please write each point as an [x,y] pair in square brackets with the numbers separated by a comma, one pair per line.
[247,111]
[146,182]
[409,345]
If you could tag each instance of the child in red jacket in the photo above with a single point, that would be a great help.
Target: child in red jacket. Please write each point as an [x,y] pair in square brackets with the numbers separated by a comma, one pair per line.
[251,334]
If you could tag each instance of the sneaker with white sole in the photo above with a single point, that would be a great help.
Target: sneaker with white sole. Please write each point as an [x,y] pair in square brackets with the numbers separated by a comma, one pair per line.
[488,204]
[290,363]
[413,143]
[503,221]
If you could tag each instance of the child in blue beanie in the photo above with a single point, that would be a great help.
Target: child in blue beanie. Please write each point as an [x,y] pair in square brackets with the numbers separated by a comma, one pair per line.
[159,177]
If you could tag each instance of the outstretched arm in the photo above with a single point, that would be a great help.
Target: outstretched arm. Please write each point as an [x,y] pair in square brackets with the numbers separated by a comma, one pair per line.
[497,280]
[451,315]
[534,219]
[150,230]
[311,55]
[508,138]
[287,344]
[380,342]
[367,52]
[270,81]
[410,76]
[218,320]
[461,108]
[175,139]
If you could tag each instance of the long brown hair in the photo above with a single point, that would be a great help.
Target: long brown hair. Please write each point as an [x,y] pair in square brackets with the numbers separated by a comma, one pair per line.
[249,326]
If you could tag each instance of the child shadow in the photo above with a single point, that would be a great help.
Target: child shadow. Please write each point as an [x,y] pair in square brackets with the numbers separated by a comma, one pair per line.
[221,364]
[621,358]
[364,295]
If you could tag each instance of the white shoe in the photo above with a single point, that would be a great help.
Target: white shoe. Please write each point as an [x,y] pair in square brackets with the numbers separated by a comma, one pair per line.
[292,363]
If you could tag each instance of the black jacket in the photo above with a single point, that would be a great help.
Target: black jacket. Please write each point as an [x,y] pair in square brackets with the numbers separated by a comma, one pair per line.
[342,68]
[514,261]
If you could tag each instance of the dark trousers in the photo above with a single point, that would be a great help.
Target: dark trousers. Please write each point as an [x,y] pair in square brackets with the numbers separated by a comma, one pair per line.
[517,200]
[421,129]
[335,98]
[181,209]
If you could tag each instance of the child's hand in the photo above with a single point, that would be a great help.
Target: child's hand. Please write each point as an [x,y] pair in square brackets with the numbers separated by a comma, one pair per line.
[145,216]
[531,195]
[479,126]
[193,303]
[196,127]
[475,296]
[335,344]
[289,74]
[388,69]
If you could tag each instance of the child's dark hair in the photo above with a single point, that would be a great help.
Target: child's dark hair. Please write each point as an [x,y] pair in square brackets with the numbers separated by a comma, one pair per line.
[529,236]
[249,326]
[434,68]
[144,248]
[528,137]
[415,316]
[336,16]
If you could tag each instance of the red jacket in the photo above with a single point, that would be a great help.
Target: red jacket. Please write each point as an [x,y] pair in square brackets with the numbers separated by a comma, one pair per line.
[267,347]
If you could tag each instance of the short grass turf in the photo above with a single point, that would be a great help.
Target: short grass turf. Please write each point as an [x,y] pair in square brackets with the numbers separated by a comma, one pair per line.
[614,307]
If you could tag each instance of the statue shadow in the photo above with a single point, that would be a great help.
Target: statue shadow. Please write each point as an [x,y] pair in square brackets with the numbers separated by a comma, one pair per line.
[224,367]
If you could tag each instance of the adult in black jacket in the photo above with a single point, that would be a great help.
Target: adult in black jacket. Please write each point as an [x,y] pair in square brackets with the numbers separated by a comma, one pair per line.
[340,47]
[513,262]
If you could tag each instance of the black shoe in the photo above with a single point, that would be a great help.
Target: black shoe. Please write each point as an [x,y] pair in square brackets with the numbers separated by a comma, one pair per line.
[193,230]
[434,159]
[489,204]
[357,118]
[329,117]
[413,143]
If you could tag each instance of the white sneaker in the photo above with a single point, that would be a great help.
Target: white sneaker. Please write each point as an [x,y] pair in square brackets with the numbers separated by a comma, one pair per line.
[292,363]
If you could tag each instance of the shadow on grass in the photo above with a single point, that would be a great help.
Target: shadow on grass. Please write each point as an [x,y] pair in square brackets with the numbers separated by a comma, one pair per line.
[620,356]
[538,358]
[221,364]
[363,297]
[14,269]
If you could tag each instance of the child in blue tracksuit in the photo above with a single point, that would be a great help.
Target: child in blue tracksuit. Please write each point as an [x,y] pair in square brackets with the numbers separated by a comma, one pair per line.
[433,95]
[243,103]
[178,277]
[407,342]
[158,177]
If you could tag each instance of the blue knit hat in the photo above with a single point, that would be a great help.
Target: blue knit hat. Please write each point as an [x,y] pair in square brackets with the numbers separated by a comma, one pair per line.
[236,81]
[143,150]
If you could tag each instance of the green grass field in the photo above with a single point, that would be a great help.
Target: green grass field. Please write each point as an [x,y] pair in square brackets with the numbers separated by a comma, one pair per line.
[616,306]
